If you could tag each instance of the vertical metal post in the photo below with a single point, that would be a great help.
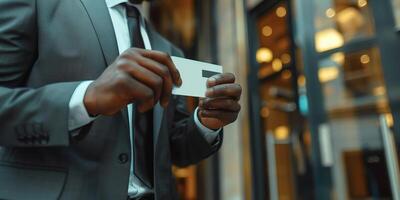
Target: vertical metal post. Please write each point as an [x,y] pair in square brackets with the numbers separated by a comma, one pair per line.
[388,39]
[391,157]
[272,178]
[260,188]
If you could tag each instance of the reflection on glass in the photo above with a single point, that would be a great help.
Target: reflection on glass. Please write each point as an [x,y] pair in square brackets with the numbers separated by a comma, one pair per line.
[340,21]
[274,36]
[359,170]
[396,11]
[352,80]
[328,39]
[277,94]
[354,98]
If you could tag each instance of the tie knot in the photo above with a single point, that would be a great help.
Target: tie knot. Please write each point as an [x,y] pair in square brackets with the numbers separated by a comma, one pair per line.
[132,11]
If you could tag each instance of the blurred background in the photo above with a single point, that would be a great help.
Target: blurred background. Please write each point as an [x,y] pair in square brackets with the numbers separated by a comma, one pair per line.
[321,105]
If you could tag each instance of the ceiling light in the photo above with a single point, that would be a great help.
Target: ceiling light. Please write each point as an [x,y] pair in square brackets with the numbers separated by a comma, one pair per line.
[277,65]
[265,112]
[286,58]
[328,39]
[365,59]
[327,74]
[281,11]
[264,55]
[301,81]
[338,58]
[362,3]
[330,13]
[267,31]
[286,74]
[282,133]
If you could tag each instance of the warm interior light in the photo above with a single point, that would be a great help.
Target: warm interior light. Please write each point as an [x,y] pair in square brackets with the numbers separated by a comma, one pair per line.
[328,39]
[362,3]
[265,112]
[281,11]
[389,120]
[286,74]
[327,74]
[282,133]
[301,81]
[267,31]
[379,91]
[277,65]
[338,58]
[365,59]
[264,71]
[351,20]
[264,55]
[286,58]
[330,13]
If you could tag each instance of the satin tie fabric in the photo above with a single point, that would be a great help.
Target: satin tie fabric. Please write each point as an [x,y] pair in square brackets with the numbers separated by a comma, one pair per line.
[142,122]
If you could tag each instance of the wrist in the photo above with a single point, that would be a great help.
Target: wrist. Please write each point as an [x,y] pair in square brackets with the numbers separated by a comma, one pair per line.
[207,122]
[90,101]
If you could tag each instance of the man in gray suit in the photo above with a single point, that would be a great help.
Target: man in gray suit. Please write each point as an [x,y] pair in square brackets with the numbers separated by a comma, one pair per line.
[86,110]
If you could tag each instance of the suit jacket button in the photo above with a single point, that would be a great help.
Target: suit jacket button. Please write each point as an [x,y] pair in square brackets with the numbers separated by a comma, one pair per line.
[123,158]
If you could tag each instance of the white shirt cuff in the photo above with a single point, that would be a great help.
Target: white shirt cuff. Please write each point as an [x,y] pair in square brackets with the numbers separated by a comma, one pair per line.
[209,135]
[78,115]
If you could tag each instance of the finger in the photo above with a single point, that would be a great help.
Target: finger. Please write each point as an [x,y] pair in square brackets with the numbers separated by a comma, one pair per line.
[231,90]
[221,79]
[163,72]
[145,105]
[224,116]
[147,77]
[225,104]
[140,94]
[165,59]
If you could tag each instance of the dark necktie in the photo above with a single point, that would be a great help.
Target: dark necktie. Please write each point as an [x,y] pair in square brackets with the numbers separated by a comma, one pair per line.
[142,122]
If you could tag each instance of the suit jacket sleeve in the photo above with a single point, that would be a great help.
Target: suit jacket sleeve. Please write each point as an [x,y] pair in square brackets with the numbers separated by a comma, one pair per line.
[188,144]
[28,117]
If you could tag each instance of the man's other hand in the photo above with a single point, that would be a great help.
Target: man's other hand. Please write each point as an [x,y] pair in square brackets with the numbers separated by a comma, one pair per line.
[221,105]
[137,76]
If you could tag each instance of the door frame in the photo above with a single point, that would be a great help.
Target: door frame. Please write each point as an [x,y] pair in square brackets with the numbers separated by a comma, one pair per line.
[261,189]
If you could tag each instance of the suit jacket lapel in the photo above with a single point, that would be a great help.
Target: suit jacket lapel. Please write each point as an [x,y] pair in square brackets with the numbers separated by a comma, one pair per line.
[101,21]
[102,24]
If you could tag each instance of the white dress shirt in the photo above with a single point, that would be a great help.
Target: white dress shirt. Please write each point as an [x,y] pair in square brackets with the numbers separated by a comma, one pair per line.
[78,114]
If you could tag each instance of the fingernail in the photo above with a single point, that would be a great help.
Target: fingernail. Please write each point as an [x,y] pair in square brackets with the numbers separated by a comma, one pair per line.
[211,81]
[209,92]
[180,81]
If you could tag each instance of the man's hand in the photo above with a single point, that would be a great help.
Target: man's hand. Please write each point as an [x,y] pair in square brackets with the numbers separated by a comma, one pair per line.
[221,105]
[137,76]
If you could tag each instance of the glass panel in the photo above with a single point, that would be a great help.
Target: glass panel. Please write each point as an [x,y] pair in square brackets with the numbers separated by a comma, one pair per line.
[274,36]
[354,98]
[340,21]
[359,170]
[277,94]
[396,12]
[352,81]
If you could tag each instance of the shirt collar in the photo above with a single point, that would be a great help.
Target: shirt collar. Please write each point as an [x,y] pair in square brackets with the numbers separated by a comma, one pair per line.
[113,3]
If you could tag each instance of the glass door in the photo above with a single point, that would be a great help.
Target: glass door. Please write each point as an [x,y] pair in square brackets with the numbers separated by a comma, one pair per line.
[280,135]
[352,95]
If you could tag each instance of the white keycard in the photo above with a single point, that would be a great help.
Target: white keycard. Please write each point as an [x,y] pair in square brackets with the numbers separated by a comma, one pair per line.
[194,76]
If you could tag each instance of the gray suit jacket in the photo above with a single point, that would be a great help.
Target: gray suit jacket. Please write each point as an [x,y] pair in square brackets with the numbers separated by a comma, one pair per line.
[46,48]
